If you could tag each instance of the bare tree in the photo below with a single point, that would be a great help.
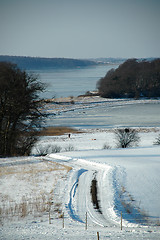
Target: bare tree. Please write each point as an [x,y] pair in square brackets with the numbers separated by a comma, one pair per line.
[126,137]
[157,141]
[20,118]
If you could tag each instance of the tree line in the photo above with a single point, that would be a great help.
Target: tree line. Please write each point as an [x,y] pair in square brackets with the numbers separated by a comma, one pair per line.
[132,79]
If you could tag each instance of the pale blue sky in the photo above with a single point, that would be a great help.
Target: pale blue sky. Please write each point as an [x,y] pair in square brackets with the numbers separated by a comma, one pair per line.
[80,28]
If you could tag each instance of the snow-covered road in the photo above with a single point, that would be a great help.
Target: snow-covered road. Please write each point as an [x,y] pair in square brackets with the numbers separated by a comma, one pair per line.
[126,181]
[79,199]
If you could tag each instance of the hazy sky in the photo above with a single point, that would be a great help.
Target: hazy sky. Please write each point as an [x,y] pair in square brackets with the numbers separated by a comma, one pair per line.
[80,28]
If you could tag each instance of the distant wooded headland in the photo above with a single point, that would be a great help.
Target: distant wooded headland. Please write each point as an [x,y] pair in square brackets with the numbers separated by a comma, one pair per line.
[43,63]
[132,79]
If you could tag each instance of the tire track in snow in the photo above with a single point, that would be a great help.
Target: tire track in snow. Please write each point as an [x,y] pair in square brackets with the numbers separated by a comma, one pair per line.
[72,194]
[79,199]
[79,188]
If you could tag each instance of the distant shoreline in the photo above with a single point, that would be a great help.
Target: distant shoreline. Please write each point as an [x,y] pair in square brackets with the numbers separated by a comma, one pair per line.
[40,63]
[94,97]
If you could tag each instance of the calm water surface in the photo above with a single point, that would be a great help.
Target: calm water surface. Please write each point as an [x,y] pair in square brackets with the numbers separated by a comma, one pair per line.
[71,82]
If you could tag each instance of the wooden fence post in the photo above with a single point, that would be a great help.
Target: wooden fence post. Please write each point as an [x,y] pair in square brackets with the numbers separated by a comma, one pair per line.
[49,217]
[86,222]
[63,219]
[97,235]
[121,220]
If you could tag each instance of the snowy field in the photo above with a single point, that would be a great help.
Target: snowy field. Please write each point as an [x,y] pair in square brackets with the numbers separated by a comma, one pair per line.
[88,178]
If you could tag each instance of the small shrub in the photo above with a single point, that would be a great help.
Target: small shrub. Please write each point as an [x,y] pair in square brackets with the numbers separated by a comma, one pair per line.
[43,150]
[69,148]
[157,142]
[55,149]
[106,146]
[126,137]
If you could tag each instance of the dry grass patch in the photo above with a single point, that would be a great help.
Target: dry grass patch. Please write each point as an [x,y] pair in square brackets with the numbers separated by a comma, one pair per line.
[57,131]
[28,205]
[28,189]
[33,169]
[59,166]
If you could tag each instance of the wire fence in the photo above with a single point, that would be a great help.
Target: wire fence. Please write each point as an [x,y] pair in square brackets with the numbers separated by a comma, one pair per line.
[32,210]
[149,221]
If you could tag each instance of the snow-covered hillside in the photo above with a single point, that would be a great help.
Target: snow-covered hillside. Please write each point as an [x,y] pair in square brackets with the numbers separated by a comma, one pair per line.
[124,180]
[88,177]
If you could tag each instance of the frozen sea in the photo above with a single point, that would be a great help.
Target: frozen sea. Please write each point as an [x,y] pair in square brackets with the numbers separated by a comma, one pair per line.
[104,116]
[74,82]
